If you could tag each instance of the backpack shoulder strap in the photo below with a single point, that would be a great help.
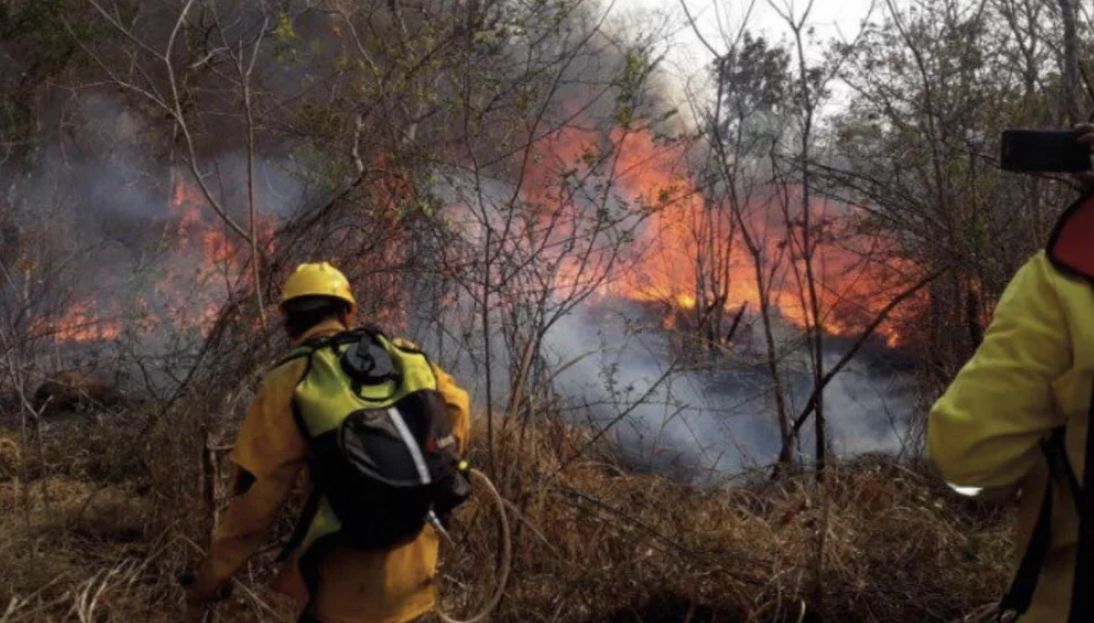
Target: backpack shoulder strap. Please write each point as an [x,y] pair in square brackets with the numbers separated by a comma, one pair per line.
[311,505]
[1082,598]
[300,351]
[1019,596]
[305,350]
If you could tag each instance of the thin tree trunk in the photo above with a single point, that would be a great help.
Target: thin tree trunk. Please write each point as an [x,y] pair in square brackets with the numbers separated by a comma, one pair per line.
[487,358]
[1071,62]
[786,449]
[208,480]
[251,207]
[972,318]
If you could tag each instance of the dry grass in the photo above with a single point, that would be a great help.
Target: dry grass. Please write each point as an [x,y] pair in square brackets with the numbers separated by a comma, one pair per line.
[593,542]
[623,547]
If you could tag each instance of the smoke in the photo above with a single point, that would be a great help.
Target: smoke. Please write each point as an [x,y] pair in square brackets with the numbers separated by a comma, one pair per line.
[119,241]
[615,369]
[721,419]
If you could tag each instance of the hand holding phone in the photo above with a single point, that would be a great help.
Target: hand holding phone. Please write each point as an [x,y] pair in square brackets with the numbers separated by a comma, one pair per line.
[1047,151]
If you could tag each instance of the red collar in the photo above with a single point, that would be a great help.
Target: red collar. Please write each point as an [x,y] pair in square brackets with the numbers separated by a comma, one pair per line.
[1071,248]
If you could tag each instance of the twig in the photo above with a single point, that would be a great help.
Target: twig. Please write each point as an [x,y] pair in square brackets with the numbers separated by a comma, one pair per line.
[881,317]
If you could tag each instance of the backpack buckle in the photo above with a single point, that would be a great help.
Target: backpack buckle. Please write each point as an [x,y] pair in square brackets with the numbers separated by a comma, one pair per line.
[367,362]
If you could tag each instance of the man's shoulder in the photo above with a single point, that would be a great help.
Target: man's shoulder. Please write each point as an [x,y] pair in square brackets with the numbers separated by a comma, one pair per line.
[1044,271]
[285,374]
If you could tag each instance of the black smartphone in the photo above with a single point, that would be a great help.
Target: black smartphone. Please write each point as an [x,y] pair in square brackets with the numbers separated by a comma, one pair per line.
[1044,151]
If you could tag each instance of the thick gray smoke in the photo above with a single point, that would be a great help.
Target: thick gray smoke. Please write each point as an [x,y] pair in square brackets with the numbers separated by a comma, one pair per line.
[615,368]
[123,243]
[720,419]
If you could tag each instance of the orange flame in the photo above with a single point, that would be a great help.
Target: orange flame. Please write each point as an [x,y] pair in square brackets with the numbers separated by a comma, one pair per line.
[203,263]
[81,322]
[688,228]
[194,297]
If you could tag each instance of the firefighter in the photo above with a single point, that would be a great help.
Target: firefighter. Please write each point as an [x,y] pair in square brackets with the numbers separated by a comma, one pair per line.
[350,585]
[1017,416]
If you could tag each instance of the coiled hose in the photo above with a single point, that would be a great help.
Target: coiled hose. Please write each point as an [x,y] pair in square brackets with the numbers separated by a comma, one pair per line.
[506,553]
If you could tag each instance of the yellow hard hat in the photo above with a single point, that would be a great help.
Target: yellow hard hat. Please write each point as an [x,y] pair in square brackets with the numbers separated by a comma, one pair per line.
[318,279]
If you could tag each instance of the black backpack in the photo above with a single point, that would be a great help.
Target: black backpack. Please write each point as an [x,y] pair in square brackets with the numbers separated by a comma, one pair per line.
[383,452]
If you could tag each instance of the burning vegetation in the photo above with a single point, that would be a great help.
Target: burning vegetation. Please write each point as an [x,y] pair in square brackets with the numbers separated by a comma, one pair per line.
[200,266]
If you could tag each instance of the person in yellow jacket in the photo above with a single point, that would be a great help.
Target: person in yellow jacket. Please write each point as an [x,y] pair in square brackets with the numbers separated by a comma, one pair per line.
[1016,417]
[387,586]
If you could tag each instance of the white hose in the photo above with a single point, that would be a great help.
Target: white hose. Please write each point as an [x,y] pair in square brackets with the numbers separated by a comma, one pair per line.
[506,556]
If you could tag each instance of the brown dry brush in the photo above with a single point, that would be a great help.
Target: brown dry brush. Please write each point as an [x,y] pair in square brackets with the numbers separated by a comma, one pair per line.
[593,542]
[602,544]
[606,544]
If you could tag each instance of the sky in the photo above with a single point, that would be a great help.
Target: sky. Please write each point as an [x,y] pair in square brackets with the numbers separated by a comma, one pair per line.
[687,58]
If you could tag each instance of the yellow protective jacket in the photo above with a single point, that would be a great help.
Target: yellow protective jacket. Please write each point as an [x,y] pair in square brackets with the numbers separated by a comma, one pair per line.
[1033,373]
[391,586]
